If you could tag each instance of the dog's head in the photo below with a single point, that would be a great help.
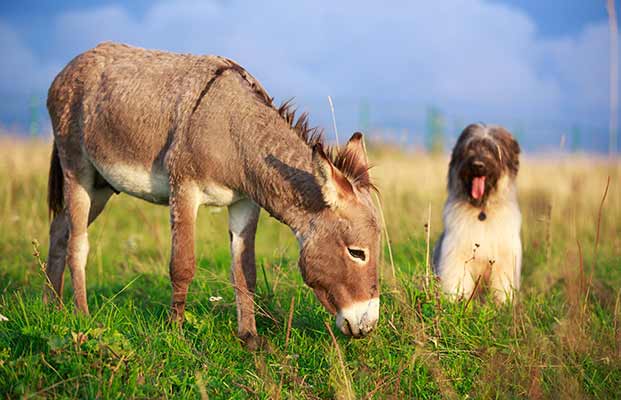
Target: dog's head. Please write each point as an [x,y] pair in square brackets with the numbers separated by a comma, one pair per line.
[482,155]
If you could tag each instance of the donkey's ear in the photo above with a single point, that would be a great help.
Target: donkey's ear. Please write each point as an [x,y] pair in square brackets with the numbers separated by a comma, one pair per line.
[355,146]
[335,187]
[358,161]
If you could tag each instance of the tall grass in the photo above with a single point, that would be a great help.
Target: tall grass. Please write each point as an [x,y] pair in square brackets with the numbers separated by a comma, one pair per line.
[560,339]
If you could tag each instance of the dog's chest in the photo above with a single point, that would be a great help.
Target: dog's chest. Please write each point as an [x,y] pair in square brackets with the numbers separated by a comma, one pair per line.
[484,242]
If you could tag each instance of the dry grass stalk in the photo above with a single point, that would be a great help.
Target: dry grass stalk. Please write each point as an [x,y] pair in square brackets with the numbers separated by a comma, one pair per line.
[599,224]
[549,234]
[289,321]
[266,379]
[617,331]
[43,267]
[388,245]
[349,394]
[336,132]
[201,386]
[388,379]
[434,367]
[474,291]
[581,269]
[427,239]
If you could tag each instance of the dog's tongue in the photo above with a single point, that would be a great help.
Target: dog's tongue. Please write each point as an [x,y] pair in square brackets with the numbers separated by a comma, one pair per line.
[478,187]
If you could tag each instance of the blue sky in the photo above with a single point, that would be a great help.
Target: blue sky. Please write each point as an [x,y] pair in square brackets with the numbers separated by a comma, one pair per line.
[538,67]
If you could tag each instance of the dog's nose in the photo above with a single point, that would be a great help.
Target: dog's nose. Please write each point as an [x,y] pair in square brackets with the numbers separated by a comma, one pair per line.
[478,167]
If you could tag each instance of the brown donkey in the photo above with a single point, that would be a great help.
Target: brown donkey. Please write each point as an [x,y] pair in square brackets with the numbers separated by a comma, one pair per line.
[188,130]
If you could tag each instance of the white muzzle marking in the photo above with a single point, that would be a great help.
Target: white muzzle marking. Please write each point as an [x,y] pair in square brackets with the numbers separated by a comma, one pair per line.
[359,318]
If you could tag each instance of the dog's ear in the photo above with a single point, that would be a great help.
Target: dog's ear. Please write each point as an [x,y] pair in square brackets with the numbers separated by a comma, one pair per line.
[509,149]
[459,150]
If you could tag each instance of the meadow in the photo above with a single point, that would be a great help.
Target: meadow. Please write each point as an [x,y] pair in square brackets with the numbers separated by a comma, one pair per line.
[561,338]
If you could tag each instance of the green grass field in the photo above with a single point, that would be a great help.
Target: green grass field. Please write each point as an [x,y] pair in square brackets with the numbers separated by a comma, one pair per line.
[560,339]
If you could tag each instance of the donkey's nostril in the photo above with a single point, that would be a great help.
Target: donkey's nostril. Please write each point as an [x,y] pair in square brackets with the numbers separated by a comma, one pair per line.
[355,330]
[347,328]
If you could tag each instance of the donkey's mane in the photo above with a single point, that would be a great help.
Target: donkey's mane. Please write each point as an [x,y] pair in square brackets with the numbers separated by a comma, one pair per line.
[310,135]
[344,159]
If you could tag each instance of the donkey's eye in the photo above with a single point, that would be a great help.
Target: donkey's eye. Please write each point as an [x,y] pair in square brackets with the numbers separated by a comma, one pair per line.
[357,253]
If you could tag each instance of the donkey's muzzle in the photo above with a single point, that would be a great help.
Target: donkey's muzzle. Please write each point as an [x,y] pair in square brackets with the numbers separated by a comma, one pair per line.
[358,319]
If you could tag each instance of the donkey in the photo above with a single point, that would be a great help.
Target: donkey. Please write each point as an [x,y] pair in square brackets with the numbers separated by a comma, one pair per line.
[185,131]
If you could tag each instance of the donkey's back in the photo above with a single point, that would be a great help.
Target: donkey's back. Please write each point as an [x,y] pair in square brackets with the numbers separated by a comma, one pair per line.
[117,88]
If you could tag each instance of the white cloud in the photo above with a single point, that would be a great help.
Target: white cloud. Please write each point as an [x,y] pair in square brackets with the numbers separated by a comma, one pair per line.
[476,59]
[581,65]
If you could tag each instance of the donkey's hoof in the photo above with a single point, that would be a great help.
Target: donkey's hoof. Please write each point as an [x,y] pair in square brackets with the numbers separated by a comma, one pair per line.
[254,342]
[175,321]
[176,315]
[50,298]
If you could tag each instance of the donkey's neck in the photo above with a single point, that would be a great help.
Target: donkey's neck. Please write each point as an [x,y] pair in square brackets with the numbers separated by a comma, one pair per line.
[277,171]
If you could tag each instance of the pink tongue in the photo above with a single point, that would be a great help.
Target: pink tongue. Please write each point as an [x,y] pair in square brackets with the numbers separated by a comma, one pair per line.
[478,187]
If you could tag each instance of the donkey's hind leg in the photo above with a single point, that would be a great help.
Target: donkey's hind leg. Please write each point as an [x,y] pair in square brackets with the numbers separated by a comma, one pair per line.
[55,267]
[59,236]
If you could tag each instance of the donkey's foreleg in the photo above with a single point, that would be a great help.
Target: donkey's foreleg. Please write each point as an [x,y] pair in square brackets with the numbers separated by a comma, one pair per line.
[243,218]
[183,208]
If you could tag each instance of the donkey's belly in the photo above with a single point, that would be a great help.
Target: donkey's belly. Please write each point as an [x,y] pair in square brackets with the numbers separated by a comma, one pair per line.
[151,186]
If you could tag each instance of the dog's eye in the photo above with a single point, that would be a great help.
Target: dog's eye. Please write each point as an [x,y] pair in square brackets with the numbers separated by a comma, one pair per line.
[358,254]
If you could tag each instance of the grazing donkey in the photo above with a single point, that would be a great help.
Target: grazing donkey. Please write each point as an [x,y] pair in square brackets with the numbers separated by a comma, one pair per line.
[188,130]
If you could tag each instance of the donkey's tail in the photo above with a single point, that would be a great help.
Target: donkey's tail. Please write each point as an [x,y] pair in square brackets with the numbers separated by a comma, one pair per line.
[55,185]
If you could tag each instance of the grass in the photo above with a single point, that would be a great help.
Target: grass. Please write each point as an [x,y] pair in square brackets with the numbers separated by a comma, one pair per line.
[561,338]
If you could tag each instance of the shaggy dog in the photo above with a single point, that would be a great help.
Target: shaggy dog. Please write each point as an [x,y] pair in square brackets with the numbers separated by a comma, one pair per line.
[481,238]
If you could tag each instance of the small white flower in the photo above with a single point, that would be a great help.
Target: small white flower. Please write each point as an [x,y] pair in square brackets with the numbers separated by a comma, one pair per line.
[3,318]
[215,298]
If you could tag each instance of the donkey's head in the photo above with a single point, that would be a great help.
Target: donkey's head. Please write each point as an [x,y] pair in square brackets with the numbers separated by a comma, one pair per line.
[340,249]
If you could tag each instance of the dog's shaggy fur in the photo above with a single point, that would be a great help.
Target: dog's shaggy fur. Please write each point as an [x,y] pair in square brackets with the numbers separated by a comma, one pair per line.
[481,238]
